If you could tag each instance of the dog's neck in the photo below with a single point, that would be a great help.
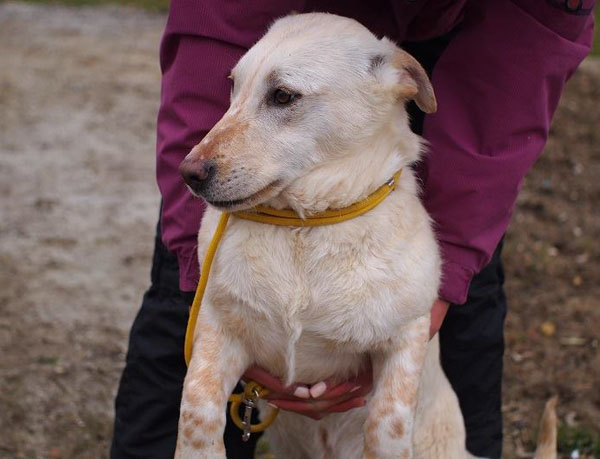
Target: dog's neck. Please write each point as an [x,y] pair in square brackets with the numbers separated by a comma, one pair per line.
[345,181]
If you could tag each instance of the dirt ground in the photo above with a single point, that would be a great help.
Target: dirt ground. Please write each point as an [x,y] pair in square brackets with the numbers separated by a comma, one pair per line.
[79,92]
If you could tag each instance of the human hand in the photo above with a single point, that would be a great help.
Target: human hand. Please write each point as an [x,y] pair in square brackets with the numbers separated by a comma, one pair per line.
[438,313]
[318,400]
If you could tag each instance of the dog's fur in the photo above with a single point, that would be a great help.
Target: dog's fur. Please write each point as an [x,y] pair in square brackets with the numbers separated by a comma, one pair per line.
[314,303]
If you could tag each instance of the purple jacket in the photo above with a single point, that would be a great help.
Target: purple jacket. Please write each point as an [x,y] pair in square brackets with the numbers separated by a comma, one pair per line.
[497,85]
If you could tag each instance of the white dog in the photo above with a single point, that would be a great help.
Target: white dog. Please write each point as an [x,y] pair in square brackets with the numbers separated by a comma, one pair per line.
[317,121]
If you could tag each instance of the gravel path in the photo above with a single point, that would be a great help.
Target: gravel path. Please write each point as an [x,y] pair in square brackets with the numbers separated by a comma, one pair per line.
[78,96]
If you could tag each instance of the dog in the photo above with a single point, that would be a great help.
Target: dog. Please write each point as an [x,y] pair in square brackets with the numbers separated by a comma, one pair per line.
[317,121]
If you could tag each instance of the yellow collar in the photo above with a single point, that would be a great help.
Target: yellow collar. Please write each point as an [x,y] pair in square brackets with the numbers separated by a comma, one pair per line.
[287,217]
[271,216]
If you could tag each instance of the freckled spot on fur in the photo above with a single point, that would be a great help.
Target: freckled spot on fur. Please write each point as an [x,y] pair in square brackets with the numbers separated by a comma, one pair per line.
[188,432]
[206,385]
[401,387]
[204,379]
[223,136]
[216,393]
[404,454]
[211,427]
[384,411]
[198,444]
[397,428]
[185,416]
[197,422]
[371,439]
[408,392]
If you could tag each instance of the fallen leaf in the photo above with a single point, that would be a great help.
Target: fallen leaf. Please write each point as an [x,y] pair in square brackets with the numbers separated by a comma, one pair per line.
[548,329]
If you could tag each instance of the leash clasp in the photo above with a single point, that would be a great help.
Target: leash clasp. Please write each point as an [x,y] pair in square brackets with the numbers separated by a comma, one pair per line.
[249,404]
[249,398]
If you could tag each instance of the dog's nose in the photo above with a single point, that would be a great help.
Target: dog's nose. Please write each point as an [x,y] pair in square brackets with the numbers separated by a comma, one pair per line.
[197,173]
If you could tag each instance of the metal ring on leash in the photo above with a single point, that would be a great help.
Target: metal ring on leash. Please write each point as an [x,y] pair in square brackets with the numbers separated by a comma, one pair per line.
[252,392]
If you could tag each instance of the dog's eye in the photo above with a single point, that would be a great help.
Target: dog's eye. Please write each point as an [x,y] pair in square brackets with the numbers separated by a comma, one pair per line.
[282,97]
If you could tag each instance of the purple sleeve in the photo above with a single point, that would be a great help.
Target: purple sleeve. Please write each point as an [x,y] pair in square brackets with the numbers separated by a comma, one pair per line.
[202,42]
[498,84]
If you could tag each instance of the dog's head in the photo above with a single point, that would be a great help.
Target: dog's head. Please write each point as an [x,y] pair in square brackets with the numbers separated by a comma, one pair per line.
[313,88]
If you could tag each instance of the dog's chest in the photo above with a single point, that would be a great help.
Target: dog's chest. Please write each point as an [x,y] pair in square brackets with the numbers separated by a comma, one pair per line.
[352,285]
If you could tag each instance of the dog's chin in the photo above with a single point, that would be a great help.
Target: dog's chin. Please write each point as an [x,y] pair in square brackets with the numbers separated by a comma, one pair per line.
[259,197]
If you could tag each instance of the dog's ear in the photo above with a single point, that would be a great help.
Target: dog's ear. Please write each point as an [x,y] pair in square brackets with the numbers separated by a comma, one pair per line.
[410,80]
[414,82]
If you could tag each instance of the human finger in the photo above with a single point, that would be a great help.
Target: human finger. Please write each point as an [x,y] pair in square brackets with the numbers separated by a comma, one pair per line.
[361,385]
[274,384]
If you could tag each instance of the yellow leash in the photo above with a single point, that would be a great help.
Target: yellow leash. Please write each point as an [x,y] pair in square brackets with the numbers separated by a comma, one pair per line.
[263,214]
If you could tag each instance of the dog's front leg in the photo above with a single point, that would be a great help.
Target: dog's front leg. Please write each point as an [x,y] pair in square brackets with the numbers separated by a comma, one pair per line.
[217,363]
[388,430]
